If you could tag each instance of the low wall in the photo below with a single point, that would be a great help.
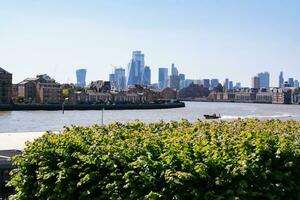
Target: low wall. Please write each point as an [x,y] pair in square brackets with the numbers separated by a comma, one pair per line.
[20,107]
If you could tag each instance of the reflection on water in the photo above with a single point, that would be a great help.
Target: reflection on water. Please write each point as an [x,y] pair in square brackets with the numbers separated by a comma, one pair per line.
[17,121]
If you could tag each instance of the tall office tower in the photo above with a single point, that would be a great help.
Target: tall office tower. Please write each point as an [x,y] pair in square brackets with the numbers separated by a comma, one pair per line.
[181,79]
[226,84]
[296,83]
[136,68]
[264,79]
[162,77]
[291,82]
[230,85]
[112,81]
[147,76]
[206,83]
[255,82]
[174,70]
[120,78]
[281,80]
[81,76]
[174,82]
[214,83]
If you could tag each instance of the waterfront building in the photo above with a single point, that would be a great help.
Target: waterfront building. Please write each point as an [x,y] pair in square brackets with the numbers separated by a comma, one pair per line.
[214,83]
[264,96]
[136,68]
[296,83]
[98,97]
[81,76]
[27,89]
[226,84]
[291,82]
[147,76]
[162,77]
[14,93]
[246,95]
[264,79]
[229,96]
[97,86]
[281,80]
[5,86]
[281,96]
[168,94]
[48,91]
[296,96]
[255,83]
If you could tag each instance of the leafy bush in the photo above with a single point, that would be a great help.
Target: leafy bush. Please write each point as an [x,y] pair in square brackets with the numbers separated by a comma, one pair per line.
[241,159]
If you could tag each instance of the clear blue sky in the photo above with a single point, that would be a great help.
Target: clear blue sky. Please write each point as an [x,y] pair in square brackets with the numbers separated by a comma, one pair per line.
[204,38]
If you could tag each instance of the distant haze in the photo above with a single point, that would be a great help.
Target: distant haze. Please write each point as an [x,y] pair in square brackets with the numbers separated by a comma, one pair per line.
[204,38]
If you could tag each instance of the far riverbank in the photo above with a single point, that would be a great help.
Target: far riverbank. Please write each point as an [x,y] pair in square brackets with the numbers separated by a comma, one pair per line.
[49,107]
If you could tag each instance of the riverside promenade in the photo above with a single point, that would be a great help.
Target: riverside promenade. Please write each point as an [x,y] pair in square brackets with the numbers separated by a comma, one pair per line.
[11,144]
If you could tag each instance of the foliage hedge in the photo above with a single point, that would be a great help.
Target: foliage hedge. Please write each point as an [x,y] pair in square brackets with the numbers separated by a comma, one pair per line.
[241,159]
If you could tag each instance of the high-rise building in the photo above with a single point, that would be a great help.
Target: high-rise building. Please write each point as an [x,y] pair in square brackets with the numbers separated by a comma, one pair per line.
[136,68]
[255,82]
[264,79]
[112,81]
[182,79]
[81,76]
[5,86]
[230,85]
[214,83]
[174,70]
[120,78]
[296,83]
[147,76]
[281,80]
[291,82]
[174,82]
[226,84]
[162,77]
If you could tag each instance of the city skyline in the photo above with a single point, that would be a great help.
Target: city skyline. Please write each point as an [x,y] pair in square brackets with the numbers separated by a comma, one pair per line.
[205,39]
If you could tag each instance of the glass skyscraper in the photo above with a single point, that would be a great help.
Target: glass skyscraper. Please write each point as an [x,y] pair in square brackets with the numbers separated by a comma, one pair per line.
[264,79]
[136,68]
[281,80]
[162,77]
[120,78]
[81,75]
[147,76]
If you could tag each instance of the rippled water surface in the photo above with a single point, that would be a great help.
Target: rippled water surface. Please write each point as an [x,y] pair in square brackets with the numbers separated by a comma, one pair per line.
[23,121]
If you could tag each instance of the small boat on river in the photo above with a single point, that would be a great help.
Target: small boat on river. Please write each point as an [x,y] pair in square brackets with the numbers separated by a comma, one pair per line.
[213,116]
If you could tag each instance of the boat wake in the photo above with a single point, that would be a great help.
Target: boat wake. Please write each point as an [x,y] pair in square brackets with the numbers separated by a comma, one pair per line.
[284,116]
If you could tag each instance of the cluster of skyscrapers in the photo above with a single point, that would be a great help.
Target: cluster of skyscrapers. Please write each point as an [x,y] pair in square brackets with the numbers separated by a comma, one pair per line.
[140,74]
[262,80]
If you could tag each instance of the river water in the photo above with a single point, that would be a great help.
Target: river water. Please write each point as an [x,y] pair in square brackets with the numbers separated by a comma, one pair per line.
[32,121]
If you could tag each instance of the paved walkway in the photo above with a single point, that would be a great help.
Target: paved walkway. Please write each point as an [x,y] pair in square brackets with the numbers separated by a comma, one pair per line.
[17,140]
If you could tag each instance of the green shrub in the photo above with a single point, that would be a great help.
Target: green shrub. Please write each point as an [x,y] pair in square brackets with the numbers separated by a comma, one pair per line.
[241,159]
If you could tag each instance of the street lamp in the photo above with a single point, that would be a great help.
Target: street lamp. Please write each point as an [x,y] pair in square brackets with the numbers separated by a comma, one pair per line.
[63,105]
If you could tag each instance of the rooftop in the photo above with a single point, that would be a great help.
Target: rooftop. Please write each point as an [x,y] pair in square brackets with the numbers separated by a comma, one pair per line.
[2,71]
